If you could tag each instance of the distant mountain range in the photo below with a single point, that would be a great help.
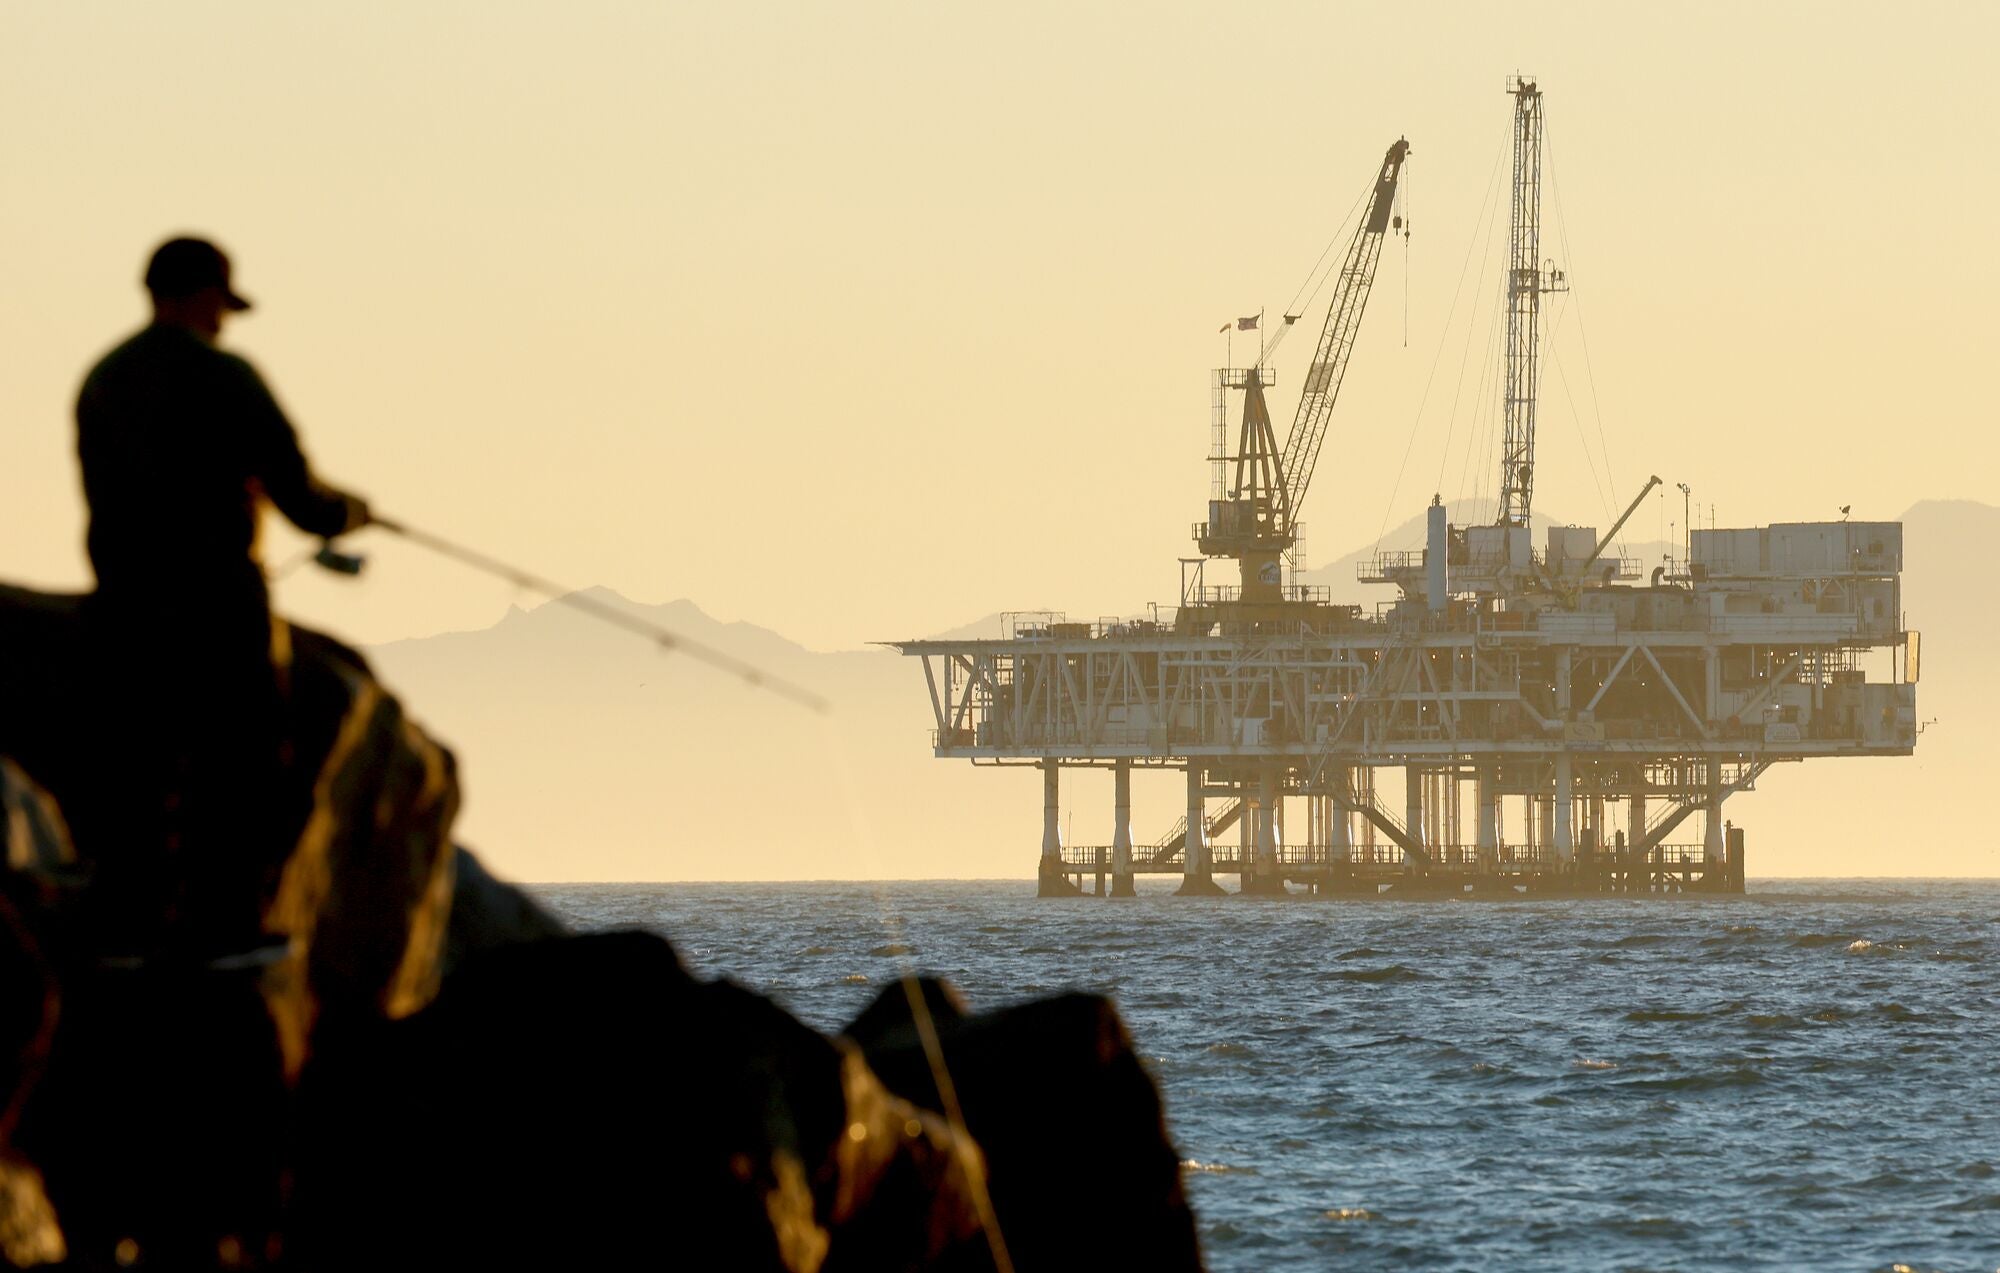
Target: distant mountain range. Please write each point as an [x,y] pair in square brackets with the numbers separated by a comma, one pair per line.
[588,755]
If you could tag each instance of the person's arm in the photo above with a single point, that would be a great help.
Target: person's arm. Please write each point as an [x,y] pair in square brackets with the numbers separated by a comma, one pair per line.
[276,461]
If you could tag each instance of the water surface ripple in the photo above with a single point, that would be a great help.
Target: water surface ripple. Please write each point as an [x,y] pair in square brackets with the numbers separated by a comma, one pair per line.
[1807,1076]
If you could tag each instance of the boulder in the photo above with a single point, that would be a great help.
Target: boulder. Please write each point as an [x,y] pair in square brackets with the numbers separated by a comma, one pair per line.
[585,1103]
[257,1011]
[1081,1170]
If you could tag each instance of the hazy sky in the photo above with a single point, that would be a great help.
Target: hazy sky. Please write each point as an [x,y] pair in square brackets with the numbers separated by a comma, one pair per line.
[862,320]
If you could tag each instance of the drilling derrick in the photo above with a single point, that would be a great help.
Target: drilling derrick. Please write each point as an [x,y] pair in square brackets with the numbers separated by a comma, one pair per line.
[1527,279]
[1520,718]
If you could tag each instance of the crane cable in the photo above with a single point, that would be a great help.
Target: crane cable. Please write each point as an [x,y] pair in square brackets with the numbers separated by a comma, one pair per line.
[666,639]
[1293,310]
[1408,201]
[1443,336]
[1583,335]
[1492,220]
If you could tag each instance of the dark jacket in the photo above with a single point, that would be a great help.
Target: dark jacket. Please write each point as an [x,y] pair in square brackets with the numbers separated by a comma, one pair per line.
[177,441]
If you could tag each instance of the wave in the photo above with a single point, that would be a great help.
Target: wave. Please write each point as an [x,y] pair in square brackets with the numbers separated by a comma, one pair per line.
[1775,1021]
[1392,972]
[1710,1081]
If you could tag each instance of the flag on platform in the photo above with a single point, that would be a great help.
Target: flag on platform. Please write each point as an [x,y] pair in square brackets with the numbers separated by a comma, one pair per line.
[1248,324]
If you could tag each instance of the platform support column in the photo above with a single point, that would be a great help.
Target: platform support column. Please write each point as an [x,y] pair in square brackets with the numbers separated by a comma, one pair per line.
[1711,841]
[1245,827]
[1121,833]
[1339,836]
[1641,865]
[1197,867]
[1413,805]
[1050,880]
[1487,792]
[1262,874]
[1565,812]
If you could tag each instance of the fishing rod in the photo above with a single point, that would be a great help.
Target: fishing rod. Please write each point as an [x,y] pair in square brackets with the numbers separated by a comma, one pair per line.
[665,638]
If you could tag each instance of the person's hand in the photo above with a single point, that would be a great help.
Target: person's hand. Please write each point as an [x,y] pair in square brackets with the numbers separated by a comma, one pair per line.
[358,513]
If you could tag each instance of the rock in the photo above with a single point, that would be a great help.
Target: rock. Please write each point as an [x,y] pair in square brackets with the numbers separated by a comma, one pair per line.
[1082,1172]
[197,954]
[304,1030]
[488,913]
[585,1103]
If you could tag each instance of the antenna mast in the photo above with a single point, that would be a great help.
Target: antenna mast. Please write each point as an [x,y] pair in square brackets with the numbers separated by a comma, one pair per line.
[1527,279]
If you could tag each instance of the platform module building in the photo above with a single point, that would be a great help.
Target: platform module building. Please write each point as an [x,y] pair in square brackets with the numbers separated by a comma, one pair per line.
[1522,716]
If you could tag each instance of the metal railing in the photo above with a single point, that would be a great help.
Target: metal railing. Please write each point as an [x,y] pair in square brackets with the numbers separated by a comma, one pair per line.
[1509,858]
[1221,593]
[1583,625]
[1378,569]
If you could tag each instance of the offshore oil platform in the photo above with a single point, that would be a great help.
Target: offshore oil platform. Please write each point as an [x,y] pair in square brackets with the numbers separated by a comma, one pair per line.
[1571,714]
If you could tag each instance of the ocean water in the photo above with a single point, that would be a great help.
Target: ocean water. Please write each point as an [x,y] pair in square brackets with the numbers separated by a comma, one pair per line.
[1807,1076]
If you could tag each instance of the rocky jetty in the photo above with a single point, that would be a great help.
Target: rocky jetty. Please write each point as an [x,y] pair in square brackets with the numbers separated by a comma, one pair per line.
[355,1047]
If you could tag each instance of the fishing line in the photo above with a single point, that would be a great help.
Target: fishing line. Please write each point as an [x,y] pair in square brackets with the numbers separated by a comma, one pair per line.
[913,991]
[667,639]
[835,747]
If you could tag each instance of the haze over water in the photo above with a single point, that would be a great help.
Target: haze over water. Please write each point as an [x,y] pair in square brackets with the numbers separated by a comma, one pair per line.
[1805,1076]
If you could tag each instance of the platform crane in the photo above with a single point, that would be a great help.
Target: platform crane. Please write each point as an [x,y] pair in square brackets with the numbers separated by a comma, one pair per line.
[1257,522]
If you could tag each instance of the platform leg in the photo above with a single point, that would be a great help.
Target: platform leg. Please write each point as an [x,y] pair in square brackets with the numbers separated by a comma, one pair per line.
[1635,835]
[1262,876]
[1338,822]
[1488,796]
[1197,877]
[1711,840]
[1565,813]
[1413,804]
[1050,880]
[1121,831]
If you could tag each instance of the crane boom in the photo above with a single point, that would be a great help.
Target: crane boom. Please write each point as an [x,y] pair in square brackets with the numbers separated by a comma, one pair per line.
[1336,339]
[1619,525]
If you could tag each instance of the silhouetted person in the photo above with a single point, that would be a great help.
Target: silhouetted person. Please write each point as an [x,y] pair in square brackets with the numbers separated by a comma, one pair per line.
[180,443]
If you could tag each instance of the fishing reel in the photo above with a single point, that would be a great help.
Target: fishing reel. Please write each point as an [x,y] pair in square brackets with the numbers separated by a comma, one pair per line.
[334,561]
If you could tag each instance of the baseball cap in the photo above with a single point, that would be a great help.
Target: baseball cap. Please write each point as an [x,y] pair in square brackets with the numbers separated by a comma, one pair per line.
[182,267]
